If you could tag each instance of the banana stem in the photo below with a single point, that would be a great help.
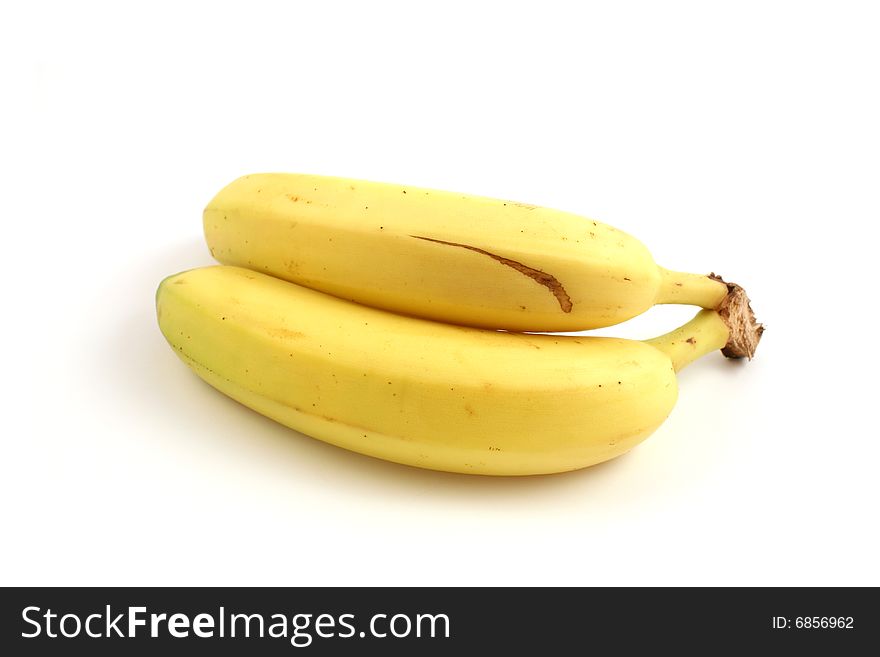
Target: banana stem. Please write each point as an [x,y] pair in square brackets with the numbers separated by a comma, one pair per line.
[704,333]
[690,289]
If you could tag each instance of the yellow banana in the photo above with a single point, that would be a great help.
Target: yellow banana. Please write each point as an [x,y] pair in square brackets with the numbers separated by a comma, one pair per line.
[449,257]
[424,393]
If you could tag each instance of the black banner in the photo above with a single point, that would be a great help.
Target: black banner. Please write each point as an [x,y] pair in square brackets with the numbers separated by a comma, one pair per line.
[279,621]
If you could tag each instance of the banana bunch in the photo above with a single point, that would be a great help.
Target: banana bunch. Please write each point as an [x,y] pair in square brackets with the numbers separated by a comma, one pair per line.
[357,313]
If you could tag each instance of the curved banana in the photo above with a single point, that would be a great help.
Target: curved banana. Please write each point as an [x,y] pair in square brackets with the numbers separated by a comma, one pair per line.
[449,257]
[419,392]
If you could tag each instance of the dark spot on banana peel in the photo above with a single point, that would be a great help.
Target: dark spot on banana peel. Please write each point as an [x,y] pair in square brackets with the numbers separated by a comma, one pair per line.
[691,341]
[543,278]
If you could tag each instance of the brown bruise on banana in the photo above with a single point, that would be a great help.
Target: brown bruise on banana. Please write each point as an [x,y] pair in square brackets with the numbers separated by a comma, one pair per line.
[543,278]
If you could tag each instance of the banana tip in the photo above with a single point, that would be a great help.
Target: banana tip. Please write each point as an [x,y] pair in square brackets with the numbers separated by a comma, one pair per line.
[736,311]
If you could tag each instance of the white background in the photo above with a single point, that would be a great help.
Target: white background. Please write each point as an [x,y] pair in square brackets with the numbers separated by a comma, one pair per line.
[735,137]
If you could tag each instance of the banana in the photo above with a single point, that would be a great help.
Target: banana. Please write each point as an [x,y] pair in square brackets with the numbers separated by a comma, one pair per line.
[423,393]
[450,257]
